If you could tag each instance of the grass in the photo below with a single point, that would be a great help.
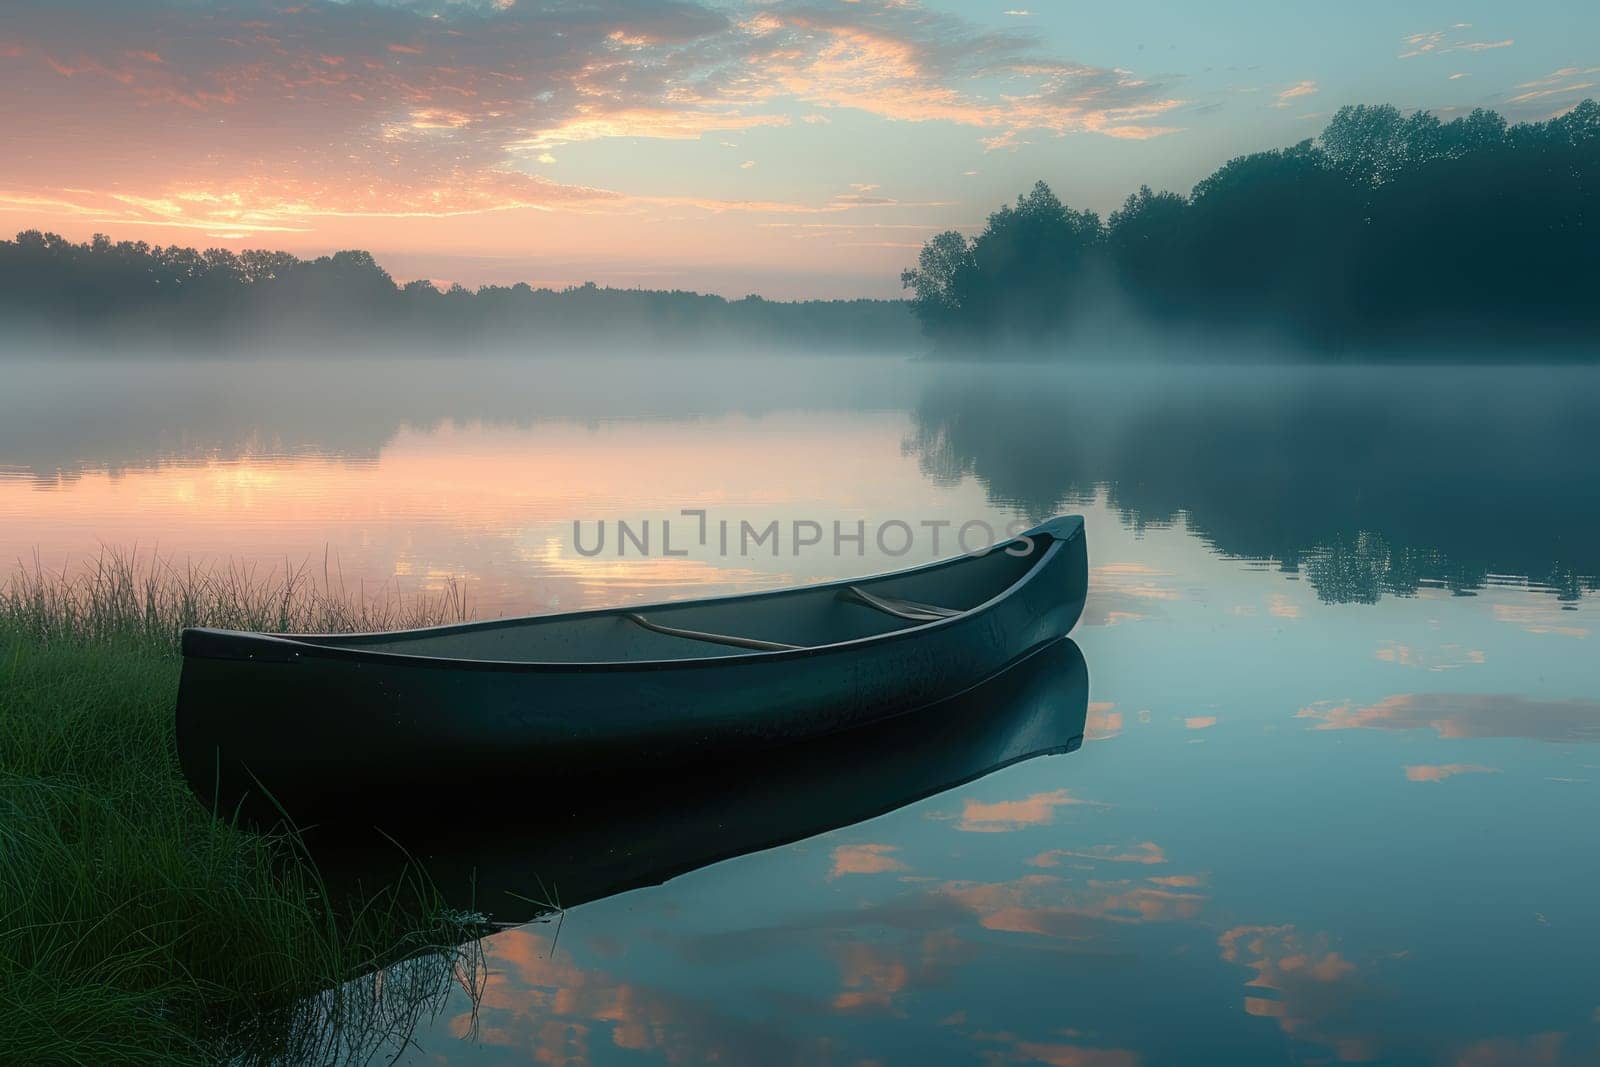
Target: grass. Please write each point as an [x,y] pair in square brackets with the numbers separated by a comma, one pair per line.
[136,928]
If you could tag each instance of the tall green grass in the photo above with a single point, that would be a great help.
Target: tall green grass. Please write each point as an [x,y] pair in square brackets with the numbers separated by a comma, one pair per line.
[147,601]
[136,928]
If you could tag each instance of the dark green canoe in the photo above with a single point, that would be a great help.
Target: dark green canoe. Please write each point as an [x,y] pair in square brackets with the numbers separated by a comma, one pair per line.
[325,721]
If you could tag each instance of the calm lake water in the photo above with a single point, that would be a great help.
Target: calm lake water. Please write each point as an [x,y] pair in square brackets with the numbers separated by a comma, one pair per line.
[1341,772]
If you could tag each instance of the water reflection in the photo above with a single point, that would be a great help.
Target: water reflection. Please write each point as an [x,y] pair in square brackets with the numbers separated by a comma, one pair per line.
[1296,831]
[63,418]
[1367,482]
[584,834]
[1370,481]
[1462,715]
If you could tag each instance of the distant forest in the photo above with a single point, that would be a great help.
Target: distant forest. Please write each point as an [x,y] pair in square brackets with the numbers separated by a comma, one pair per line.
[134,294]
[1387,231]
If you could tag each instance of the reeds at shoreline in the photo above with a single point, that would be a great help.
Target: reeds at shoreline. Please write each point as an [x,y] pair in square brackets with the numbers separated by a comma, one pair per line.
[147,600]
[134,926]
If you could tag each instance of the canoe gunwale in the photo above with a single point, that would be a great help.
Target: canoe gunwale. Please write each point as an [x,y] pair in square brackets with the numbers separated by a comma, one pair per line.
[209,643]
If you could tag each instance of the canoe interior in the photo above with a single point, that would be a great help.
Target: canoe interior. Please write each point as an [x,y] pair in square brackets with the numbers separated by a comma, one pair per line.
[807,617]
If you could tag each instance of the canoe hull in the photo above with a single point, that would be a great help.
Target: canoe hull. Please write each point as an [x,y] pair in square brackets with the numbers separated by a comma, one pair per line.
[327,728]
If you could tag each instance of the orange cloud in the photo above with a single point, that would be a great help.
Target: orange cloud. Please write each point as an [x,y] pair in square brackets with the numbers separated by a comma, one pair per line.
[873,974]
[1295,91]
[1540,1050]
[1007,815]
[1310,985]
[268,118]
[1053,907]
[551,1011]
[1464,715]
[1446,657]
[1103,723]
[1146,852]
[1443,42]
[1540,619]
[1281,607]
[1057,1055]
[1439,772]
[864,859]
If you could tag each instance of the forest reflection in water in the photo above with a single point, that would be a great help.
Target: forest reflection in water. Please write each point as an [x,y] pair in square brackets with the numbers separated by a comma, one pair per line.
[1368,480]
[1372,481]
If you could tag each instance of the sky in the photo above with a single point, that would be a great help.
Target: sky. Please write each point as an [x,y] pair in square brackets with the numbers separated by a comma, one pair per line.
[792,148]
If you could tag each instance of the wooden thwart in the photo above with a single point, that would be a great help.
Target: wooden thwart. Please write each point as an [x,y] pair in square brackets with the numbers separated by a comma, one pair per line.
[715,639]
[900,609]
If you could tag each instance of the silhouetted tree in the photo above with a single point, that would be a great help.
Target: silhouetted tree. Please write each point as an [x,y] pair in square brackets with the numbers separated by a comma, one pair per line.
[1389,229]
[942,282]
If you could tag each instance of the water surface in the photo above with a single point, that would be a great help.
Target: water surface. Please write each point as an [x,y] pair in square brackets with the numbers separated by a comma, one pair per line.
[1343,717]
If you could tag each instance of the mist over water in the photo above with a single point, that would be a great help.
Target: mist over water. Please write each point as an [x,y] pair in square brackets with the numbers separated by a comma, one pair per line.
[1341,716]
[1371,480]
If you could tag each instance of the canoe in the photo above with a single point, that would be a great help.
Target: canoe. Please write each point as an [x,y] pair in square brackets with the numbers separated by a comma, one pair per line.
[522,852]
[323,723]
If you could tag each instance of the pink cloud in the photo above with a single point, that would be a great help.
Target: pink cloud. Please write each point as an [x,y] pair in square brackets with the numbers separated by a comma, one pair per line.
[256,116]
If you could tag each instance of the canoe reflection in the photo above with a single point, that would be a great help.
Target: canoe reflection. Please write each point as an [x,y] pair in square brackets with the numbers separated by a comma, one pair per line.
[571,841]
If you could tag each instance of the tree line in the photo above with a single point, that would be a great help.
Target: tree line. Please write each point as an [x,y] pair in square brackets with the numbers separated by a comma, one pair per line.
[141,294]
[1388,229]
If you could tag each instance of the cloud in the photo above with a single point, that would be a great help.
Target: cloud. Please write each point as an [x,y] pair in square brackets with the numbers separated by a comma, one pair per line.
[1301,984]
[1443,42]
[865,859]
[1048,906]
[1540,619]
[259,115]
[1176,881]
[544,1008]
[1146,852]
[1563,89]
[1039,809]
[1444,658]
[1466,715]
[1439,772]
[1539,1050]
[255,116]
[1295,91]
[1060,1053]
[897,60]
[1103,722]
